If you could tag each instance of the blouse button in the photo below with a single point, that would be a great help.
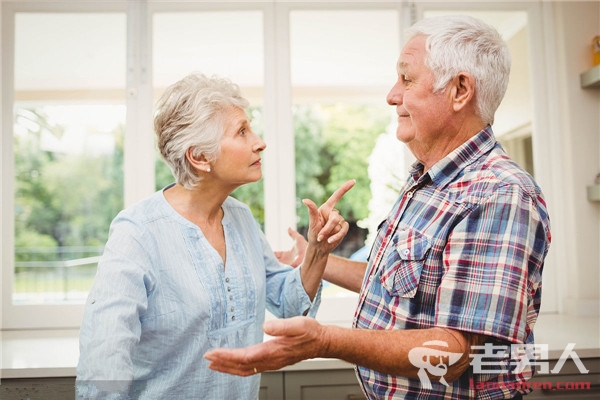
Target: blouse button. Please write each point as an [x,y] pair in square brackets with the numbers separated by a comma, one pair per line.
[406,252]
[233,317]
[227,280]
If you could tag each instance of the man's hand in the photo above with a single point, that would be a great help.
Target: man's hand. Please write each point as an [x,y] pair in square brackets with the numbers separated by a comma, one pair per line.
[295,339]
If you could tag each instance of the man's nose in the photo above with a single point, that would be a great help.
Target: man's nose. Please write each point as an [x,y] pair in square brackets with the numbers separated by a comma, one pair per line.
[394,96]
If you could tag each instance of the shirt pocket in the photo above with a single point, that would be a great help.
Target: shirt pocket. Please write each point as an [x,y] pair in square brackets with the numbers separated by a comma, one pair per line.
[404,263]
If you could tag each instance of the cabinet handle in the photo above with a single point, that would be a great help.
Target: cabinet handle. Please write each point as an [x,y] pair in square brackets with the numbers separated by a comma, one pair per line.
[356,397]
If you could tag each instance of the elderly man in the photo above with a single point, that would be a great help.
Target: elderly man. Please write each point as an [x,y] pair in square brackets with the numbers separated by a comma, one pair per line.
[453,282]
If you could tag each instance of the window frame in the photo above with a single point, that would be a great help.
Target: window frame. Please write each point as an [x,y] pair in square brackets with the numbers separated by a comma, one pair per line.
[27,316]
[279,170]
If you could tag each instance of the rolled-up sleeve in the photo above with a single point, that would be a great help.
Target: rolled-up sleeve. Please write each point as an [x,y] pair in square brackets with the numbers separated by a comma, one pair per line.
[286,296]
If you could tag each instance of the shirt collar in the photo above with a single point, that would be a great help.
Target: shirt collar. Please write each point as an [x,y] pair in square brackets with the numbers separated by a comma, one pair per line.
[458,159]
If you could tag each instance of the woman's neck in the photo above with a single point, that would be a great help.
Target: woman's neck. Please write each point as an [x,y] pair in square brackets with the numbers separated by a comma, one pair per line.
[200,205]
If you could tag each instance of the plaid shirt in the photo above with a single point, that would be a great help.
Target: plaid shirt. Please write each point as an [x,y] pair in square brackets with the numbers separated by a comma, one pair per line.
[462,248]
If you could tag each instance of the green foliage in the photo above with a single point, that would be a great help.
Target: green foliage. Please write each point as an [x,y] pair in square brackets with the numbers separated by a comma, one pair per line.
[333,143]
[62,199]
[70,199]
[162,173]
[252,194]
[311,161]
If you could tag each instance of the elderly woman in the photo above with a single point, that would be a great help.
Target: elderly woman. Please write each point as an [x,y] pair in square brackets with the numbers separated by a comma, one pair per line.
[188,269]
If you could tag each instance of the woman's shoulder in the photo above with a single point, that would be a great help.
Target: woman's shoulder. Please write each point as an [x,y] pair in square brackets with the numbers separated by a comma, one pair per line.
[150,208]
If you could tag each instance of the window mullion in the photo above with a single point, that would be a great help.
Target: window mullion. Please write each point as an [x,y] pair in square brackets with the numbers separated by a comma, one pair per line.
[139,156]
[279,171]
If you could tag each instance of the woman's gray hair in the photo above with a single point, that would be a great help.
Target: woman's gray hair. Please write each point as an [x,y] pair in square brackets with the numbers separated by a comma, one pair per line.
[189,114]
[465,44]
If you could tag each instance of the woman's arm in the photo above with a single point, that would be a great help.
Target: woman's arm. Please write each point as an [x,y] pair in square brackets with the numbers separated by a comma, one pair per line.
[111,324]
[339,270]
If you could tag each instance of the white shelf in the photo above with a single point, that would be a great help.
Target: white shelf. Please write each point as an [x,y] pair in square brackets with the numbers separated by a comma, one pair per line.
[593,193]
[591,78]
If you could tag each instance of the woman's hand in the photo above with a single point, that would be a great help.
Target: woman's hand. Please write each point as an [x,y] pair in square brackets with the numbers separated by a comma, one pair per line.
[326,229]
[295,255]
[333,227]
[326,226]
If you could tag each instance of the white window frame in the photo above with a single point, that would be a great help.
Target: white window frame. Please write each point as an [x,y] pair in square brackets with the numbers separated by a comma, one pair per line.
[279,171]
[26,316]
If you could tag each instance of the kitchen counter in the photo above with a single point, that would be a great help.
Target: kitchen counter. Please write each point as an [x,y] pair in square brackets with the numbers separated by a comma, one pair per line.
[54,353]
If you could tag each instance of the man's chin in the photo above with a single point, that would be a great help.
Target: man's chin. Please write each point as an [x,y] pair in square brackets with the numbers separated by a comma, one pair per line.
[405,136]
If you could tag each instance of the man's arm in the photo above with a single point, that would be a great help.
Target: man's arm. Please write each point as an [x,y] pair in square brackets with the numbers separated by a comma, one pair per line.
[301,338]
[344,272]
[340,271]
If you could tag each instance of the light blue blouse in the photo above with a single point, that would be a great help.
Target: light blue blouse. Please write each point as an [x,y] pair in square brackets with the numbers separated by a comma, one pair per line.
[162,298]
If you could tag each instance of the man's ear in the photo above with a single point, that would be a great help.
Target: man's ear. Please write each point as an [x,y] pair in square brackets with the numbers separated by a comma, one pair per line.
[199,162]
[463,90]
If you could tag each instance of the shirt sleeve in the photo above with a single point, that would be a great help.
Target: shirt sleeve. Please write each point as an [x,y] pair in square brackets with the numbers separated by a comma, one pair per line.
[111,324]
[493,261]
[286,296]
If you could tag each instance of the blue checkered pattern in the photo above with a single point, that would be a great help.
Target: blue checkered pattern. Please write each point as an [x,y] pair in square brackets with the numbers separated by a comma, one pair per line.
[463,248]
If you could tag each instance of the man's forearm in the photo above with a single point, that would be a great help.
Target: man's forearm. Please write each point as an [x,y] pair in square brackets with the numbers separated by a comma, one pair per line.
[345,273]
[387,351]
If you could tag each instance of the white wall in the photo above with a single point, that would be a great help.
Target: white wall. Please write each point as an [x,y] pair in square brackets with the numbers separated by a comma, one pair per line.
[515,110]
[576,232]
[1,167]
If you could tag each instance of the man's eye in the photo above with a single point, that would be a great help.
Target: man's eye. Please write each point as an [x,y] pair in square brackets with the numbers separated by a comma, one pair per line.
[405,78]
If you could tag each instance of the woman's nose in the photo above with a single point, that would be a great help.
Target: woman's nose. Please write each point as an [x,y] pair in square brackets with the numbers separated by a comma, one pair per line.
[260,144]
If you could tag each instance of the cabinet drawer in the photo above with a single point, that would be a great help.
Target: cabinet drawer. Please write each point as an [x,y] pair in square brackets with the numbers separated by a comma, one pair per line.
[322,385]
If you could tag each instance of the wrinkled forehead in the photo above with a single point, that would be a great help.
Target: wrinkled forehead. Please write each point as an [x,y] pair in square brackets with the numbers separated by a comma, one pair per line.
[413,53]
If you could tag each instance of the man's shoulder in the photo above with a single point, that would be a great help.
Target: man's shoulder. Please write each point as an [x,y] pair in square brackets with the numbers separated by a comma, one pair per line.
[496,173]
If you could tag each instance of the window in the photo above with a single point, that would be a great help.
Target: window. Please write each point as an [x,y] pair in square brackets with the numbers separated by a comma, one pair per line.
[342,67]
[76,129]
[68,119]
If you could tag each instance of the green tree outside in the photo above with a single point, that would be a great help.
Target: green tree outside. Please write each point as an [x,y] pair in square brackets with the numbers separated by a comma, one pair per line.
[67,201]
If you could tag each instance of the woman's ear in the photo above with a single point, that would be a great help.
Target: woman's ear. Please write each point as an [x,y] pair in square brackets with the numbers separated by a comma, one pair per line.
[463,90]
[198,161]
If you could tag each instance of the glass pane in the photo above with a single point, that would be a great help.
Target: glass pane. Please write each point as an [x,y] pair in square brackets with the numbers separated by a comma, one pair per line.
[513,119]
[343,64]
[228,44]
[69,117]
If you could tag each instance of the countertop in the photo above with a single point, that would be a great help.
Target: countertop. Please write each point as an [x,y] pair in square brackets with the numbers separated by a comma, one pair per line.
[54,353]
